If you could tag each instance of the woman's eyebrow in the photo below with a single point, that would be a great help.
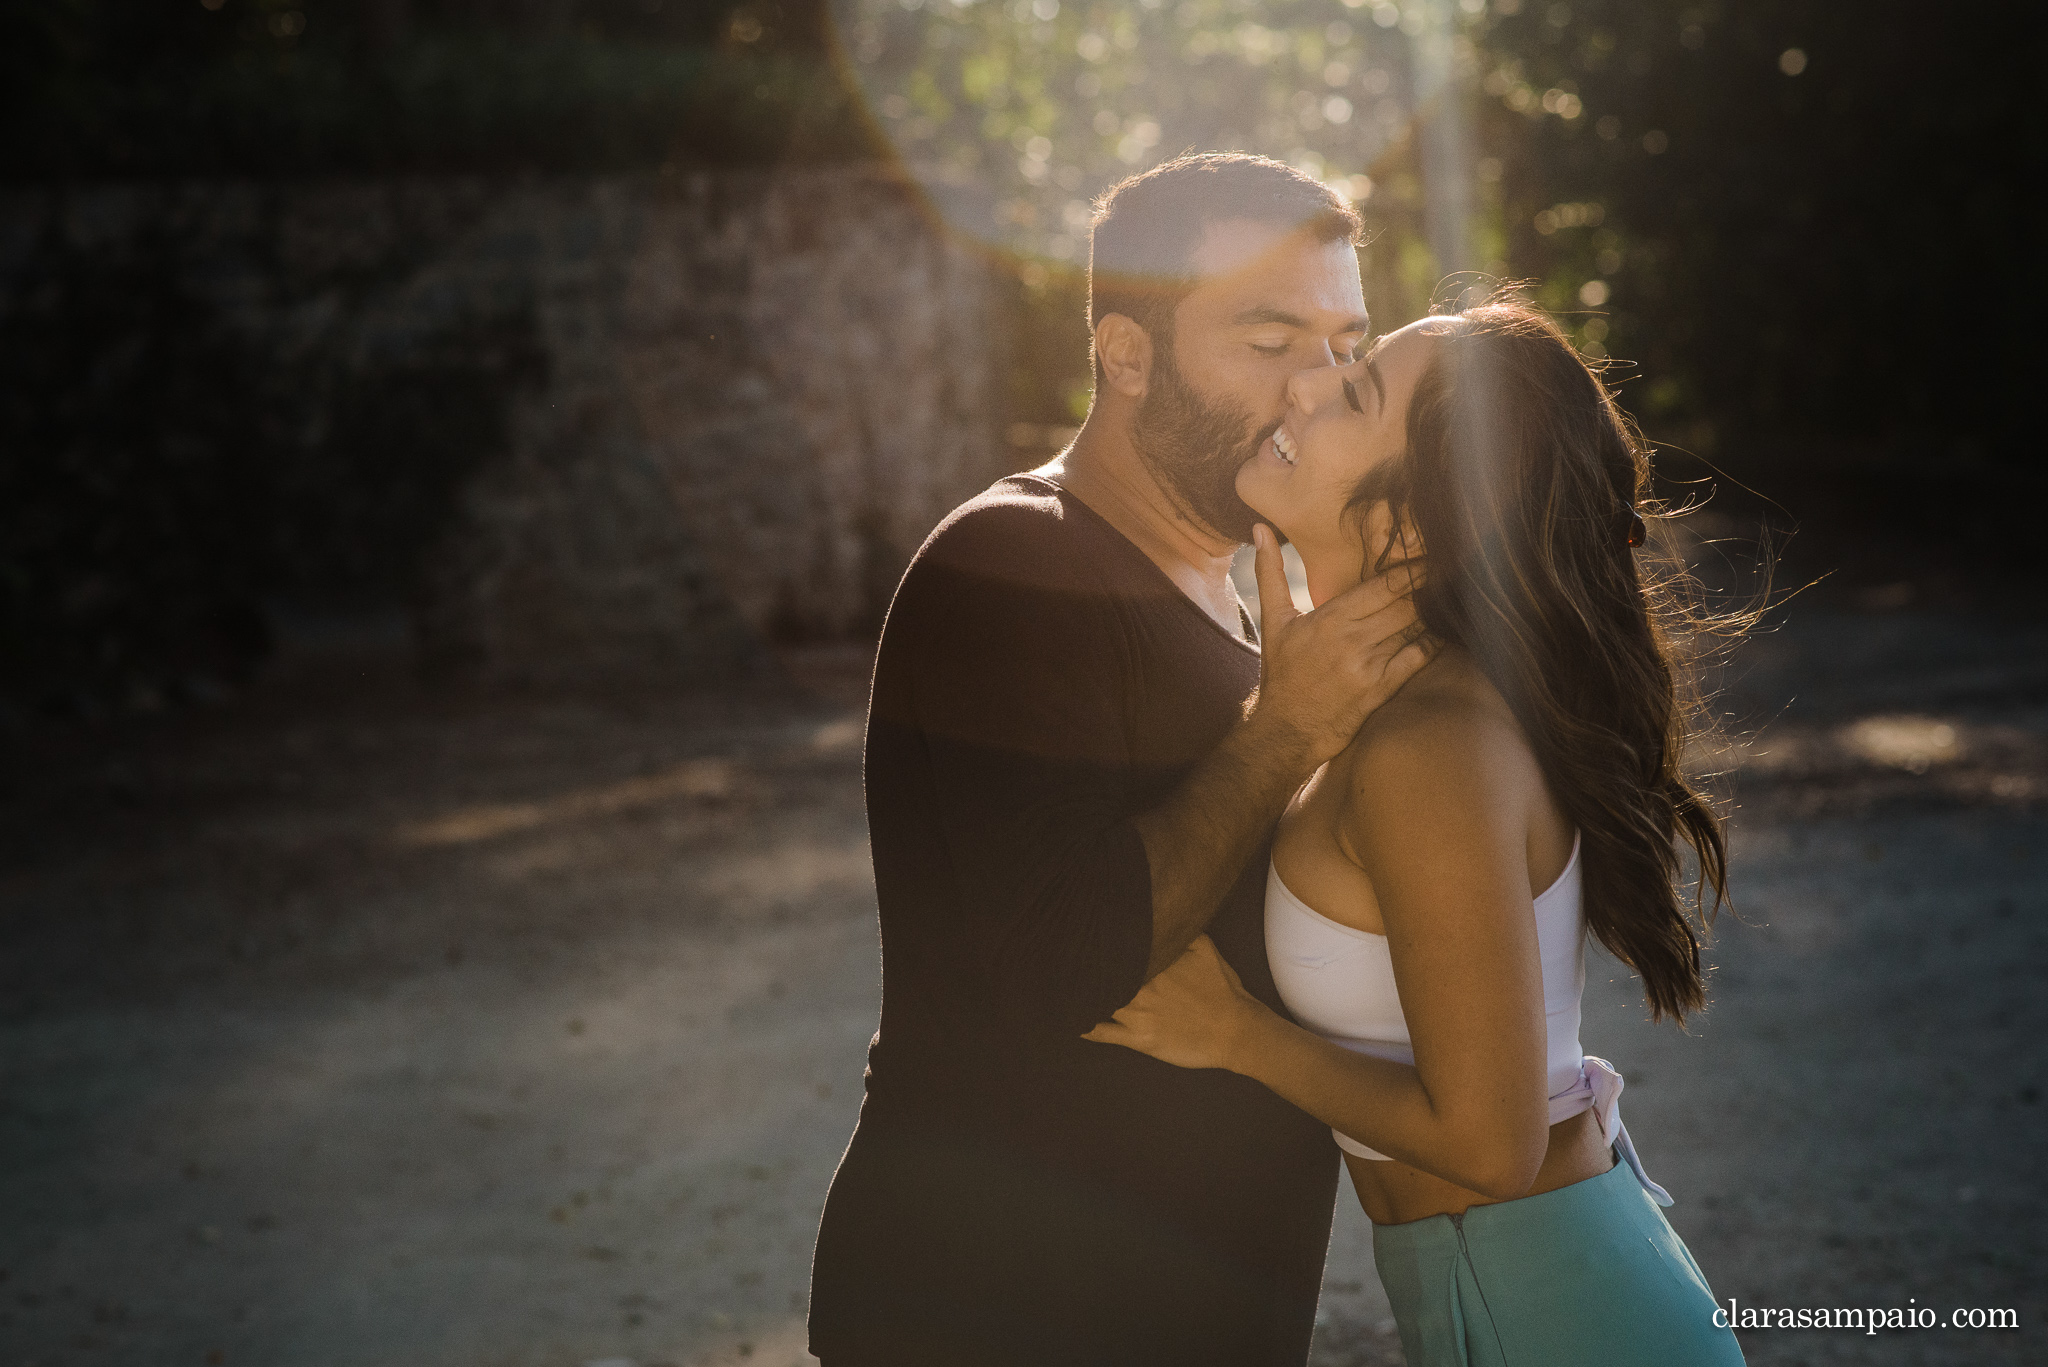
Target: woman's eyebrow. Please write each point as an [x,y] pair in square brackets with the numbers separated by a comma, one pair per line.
[1379,388]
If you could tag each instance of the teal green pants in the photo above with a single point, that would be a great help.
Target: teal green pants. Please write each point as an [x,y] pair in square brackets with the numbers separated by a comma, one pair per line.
[1589,1273]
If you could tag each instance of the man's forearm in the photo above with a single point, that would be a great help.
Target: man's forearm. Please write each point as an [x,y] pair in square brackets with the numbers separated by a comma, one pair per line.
[1320,675]
[1198,841]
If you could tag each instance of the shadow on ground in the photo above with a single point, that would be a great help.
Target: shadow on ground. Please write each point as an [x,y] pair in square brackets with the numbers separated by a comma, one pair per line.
[362,1025]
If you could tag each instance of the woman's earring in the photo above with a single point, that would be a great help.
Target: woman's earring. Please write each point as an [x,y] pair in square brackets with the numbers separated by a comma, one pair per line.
[1637,533]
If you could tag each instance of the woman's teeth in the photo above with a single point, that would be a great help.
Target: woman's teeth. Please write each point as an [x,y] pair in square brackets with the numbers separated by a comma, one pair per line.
[1283,445]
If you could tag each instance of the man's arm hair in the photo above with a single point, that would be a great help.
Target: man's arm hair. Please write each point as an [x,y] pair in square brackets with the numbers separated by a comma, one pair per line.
[1198,841]
[1323,673]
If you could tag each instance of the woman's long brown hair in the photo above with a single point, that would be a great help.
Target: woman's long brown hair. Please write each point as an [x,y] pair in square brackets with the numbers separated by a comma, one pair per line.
[1523,481]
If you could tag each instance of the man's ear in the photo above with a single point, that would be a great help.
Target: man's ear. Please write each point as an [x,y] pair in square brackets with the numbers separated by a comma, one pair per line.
[1125,352]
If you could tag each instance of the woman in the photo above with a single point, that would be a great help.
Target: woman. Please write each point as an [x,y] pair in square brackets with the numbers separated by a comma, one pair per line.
[1431,889]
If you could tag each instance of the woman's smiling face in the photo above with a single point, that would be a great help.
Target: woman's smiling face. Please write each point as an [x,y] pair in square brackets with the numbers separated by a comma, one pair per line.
[1342,422]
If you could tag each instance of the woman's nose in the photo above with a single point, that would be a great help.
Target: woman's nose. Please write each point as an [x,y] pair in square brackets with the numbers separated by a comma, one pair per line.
[1305,388]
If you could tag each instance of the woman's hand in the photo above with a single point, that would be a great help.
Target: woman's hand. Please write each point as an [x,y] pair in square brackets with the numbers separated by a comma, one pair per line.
[1194,1014]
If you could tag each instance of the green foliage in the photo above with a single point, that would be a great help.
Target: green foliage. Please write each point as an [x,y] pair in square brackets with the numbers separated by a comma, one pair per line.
[299,87]
[1761,202]
[1045,104]
[1797,193]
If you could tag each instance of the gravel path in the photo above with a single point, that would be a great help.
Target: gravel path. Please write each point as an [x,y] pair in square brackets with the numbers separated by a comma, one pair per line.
[360,1026]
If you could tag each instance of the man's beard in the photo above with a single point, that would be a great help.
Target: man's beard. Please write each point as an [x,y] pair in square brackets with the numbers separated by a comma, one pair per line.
[1195,448]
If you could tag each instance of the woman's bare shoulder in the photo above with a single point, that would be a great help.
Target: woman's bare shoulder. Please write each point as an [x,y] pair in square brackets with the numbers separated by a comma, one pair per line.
[1448,711]
[1446,740]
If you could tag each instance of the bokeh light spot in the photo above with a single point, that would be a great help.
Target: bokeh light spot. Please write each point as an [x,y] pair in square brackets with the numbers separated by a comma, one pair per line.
[1912,743]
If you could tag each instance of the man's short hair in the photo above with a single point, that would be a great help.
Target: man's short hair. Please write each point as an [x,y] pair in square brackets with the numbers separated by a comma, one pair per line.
[1147,227]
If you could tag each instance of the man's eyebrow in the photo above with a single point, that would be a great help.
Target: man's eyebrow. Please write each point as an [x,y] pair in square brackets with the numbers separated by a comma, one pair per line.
[1266,313]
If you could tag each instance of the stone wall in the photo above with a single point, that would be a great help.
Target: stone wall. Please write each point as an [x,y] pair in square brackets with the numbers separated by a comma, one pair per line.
[764,392]
[736,405]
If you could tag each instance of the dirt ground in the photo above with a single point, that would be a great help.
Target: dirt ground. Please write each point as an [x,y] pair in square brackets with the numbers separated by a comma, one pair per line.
[360,1024]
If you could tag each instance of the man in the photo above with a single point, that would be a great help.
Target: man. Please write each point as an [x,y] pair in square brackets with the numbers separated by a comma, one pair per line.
[1065,786]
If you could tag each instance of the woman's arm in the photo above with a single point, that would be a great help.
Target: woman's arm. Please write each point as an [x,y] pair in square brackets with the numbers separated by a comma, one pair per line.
[1441,830]
[1387,1106]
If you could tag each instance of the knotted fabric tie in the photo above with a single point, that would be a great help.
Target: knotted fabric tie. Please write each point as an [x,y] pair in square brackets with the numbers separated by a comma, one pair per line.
[1599,1090]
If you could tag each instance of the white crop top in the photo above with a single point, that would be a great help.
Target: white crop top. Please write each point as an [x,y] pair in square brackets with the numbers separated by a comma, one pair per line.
[1339,982]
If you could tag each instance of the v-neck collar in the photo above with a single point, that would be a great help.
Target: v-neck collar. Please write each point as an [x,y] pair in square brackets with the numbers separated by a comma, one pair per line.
[1249,642]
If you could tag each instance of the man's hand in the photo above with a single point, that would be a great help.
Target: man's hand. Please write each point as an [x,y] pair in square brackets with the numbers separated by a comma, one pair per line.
[1324,672]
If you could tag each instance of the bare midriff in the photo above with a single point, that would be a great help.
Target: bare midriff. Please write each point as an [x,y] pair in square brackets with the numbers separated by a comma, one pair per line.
[1394,1193]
